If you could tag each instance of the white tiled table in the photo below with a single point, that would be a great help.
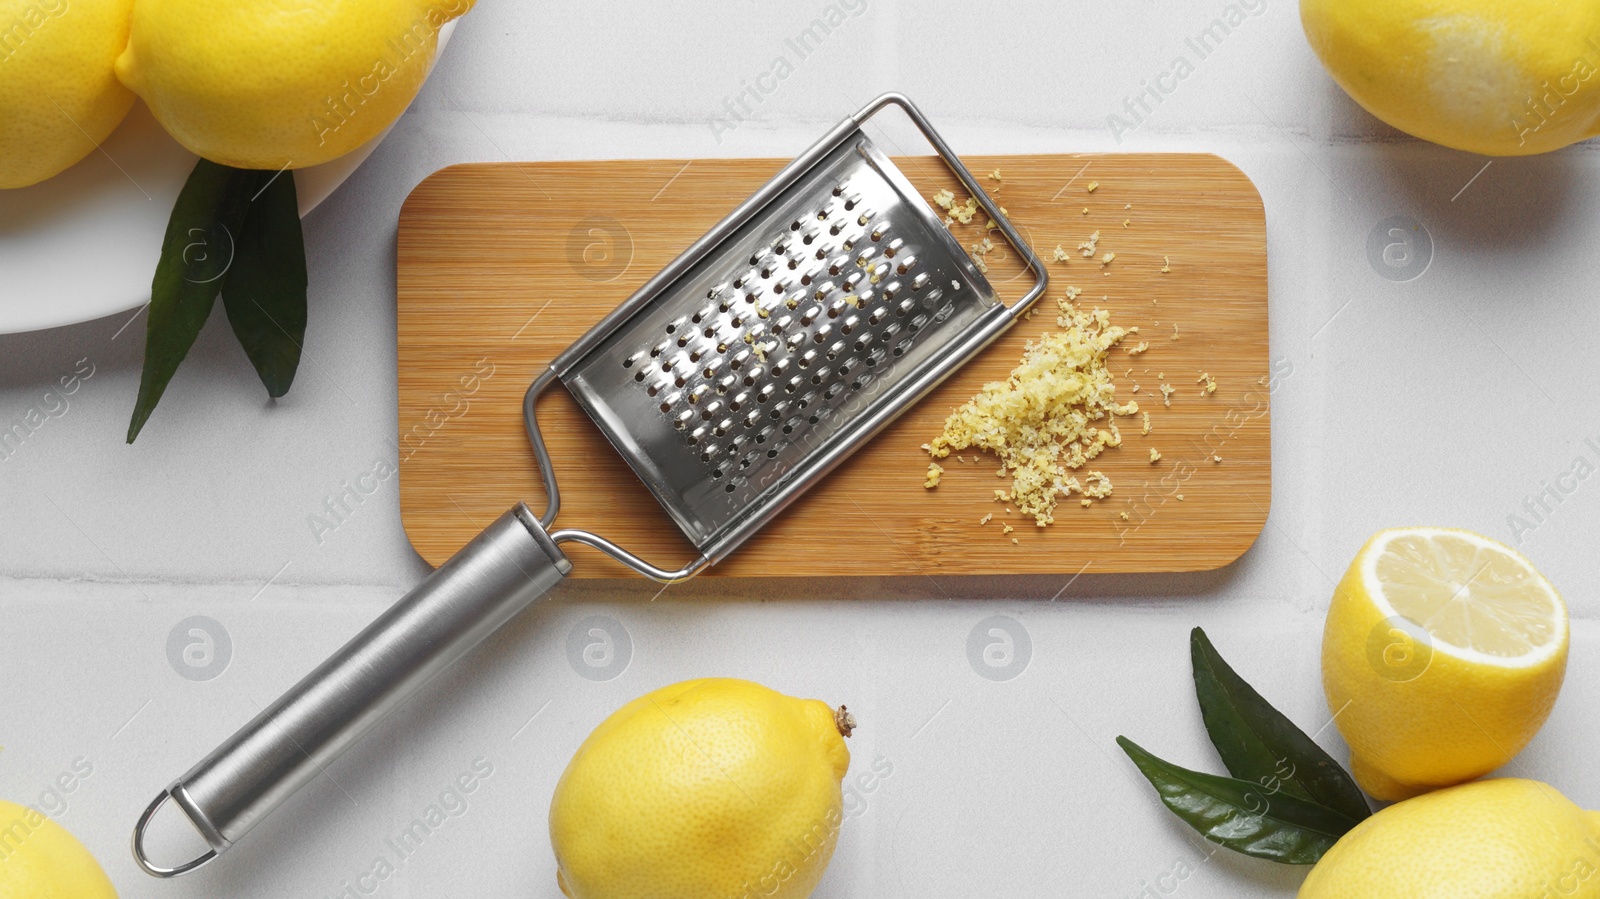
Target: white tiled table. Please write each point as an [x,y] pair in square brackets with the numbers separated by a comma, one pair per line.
[1451,398]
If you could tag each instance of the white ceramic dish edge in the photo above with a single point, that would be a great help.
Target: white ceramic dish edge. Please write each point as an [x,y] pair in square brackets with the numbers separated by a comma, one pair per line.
[84,244]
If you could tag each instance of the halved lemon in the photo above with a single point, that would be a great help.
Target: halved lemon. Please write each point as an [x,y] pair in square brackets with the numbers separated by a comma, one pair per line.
[1442,656]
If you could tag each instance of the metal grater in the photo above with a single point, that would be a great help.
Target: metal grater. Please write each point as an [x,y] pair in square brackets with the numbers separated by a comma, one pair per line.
[769,351]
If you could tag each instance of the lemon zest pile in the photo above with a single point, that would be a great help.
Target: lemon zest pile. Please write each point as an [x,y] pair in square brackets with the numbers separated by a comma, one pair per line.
[1053,414]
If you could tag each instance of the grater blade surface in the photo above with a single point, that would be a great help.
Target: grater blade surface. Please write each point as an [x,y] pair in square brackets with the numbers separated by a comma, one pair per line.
[750,370]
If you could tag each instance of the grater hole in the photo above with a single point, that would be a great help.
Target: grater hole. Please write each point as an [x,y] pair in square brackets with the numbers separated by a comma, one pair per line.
[834,389]
[679,381]
[894,247]
[838,189]
[822,253]
[728,488]
[639,376]
[772,454]
[920,281]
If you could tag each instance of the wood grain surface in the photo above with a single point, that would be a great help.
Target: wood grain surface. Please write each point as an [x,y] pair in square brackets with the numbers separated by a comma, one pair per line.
[501,266]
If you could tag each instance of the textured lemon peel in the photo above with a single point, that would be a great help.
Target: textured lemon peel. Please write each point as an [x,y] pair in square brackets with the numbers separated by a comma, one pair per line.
[1052,415]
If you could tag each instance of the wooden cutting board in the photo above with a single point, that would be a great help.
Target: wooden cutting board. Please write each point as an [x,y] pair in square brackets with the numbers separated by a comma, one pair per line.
[501,266]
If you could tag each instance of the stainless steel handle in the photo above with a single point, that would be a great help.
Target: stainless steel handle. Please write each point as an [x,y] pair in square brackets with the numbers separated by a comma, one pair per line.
[504,569]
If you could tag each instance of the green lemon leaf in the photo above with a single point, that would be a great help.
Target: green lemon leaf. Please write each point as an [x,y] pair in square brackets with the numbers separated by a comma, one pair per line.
[265,291]
[1243,816]
[196,253]
[1258,744]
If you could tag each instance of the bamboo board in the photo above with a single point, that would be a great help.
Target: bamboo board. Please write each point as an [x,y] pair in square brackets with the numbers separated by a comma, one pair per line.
[501,266]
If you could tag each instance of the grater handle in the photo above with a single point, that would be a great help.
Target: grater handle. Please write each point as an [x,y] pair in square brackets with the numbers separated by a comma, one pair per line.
[504,569]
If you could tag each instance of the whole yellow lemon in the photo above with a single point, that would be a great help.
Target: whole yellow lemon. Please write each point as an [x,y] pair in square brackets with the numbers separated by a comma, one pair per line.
[1495,839]
[39,859]
[1442,655]
[59,97]
[273,84]
[708,788]
[1498,77]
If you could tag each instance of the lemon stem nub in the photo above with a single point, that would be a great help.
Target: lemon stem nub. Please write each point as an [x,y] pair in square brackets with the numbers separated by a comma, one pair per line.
[845,721]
